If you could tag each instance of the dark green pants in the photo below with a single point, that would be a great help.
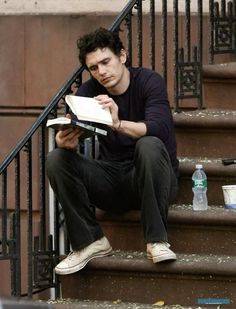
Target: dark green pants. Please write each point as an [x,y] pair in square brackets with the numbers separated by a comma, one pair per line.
[81,184]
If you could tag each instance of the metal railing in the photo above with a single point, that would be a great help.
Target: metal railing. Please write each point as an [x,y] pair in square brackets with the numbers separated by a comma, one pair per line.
[28,240]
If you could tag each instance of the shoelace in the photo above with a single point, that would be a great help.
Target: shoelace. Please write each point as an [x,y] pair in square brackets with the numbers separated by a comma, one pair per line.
[70,255]
[162,245]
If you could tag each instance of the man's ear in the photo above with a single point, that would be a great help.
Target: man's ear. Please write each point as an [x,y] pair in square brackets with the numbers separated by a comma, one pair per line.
[123,56]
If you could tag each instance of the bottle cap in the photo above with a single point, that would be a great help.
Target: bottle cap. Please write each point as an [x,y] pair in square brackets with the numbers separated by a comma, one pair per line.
[198,166]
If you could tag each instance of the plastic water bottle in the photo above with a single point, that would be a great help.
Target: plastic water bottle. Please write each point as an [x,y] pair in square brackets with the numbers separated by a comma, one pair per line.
[199,187]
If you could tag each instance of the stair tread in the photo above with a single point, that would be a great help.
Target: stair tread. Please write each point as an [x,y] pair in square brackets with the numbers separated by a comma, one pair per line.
[181,214]
[214,215]
[74,304]
[188,264]
[206,118]
[221,70]
[212,166]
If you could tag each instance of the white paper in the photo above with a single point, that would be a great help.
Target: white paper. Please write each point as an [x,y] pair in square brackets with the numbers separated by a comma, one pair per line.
[88,109]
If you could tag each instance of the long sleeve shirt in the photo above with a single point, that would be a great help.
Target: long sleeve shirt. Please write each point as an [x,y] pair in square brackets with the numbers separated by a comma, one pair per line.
[146,101]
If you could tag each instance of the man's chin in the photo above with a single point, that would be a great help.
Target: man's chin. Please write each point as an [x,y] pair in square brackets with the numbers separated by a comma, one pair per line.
[108,84]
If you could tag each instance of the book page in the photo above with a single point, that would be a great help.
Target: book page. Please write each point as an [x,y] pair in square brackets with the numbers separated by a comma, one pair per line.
[61,123]
[88,109]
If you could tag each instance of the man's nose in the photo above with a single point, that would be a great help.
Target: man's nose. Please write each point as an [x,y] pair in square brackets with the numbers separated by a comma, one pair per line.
[101,69]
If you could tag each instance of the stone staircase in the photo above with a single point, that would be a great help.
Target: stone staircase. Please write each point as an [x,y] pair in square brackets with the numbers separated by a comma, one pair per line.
[205,242]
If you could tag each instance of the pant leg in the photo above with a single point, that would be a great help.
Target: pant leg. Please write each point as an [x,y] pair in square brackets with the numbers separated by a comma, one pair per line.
[157,186]
[80,184]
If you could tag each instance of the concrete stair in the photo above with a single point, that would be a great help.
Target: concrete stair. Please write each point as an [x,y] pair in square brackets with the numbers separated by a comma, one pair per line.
[189,231]
[219,82]
[205,242]
[129,276]
[217,174]
[118,304]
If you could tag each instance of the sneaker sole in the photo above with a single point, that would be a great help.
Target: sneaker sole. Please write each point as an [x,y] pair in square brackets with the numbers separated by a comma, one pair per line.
[162,258]
[82,265]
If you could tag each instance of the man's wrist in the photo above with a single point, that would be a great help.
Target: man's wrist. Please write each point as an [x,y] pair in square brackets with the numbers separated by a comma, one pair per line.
[118,126]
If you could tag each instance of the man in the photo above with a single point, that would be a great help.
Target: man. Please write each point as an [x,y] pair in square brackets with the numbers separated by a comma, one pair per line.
[137,165]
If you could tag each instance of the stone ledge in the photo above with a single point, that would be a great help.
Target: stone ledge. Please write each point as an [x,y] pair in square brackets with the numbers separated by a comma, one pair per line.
[188,264]
[221,71]
[215,215]
[80,7]
[206,118]
[89,304]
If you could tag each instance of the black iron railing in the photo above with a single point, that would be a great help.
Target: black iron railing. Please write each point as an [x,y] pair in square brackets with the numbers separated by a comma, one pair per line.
[30,220]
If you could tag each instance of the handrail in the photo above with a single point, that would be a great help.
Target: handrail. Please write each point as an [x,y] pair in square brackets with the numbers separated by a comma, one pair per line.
[52,104]
[59,94]
[123,14]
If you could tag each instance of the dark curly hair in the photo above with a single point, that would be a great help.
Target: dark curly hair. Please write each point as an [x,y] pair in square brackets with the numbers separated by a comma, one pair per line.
[100,38]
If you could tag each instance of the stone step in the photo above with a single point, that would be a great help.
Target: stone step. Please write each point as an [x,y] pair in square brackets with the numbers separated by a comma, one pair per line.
[206,133]
[189,231]
[90,304]
[219,82]
[13,303]
[131,277]
[217,174]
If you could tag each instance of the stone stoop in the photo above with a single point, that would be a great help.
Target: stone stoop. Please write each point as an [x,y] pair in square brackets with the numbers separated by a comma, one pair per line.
[204,232]
[66,303]
[116,304]
[205,241]
[130,276]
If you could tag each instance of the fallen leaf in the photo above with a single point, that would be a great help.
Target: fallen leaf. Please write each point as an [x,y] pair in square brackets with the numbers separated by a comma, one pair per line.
[159,303]
[118,301]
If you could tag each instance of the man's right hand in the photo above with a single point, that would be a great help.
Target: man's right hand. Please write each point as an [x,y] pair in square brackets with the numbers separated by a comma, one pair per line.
[68,138]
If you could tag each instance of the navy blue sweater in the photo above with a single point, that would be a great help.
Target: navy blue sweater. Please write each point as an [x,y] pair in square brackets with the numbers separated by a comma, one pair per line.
[145,100]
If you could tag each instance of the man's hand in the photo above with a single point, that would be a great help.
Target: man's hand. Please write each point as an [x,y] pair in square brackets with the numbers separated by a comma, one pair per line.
[130,128]
[106,101]
[68,137]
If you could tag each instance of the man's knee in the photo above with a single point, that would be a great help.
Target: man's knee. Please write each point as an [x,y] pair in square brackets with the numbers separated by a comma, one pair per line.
[56,159]
[150,145]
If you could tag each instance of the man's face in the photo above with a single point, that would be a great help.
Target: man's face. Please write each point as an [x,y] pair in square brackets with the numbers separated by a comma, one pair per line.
[106,67]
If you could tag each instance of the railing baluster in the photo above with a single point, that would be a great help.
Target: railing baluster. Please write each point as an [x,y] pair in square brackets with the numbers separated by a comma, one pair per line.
[139,33]
[152,34]
[4,214]
[164,39]
[200,50]
[211,31]
[187,30]
[29,215]
[128,24]
[42,198]
[16,237]
[176,48]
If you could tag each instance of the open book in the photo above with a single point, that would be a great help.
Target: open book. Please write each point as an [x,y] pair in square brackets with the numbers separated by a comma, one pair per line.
[62,122]
[88,109]
[88,112]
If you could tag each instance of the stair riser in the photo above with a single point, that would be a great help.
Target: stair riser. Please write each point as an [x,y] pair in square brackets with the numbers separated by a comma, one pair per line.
[147,287]
[214,190]
[189,239]
[219,93]
[183,238]
[206,142]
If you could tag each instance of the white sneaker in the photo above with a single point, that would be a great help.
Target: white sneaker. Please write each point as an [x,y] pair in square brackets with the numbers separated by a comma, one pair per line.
[159,251]
[78,259]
